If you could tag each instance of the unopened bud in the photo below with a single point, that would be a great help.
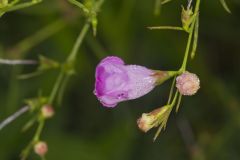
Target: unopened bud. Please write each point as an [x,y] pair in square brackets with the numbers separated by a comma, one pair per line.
[41,148]
[188,83]
[47,111]
[186,18]
[150,120]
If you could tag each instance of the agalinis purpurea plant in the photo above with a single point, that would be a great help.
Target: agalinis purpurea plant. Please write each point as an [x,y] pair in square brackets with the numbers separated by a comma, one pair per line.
[115,81]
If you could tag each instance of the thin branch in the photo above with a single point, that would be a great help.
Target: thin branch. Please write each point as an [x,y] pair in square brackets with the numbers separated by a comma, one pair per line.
[225,6]
[17,62]
[167,27]
[171,90]
[166,1]
[80,5]
[22,5]
[189,4]
[14,116]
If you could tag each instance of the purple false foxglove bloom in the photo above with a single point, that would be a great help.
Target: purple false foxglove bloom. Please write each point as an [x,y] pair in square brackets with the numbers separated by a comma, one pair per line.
[117,82]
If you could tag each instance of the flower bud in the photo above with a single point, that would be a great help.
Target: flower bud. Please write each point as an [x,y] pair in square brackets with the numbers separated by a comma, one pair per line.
[188,83]
[41,148]
[162,76]
[186,18]
[150,120]
[47,111]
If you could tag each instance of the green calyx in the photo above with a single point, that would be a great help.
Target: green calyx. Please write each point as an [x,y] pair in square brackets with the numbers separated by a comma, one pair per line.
[162,76]
[187,18]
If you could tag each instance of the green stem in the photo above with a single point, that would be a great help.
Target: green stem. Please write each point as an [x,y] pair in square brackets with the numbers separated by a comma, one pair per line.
[195,37]
[80,5]
[178,103]
[21,6]
[71,58]
[39,130]
[55,87]
[62,89]
[167,27]
[62,79]
[79,41]
[35,139]
[166,1]
[174,99]
[158,4]
[171,90]
[184,64]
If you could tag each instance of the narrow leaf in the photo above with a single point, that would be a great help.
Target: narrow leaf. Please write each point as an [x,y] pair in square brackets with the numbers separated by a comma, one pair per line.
[29,75]
[195,37]
[171,90]
[29,124]
[179,102]
[80,5]
[225,6]
[158,132]
[165,1]
[166,28]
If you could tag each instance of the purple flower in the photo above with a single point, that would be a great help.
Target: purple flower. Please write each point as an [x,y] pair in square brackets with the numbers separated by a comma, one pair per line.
[116,82]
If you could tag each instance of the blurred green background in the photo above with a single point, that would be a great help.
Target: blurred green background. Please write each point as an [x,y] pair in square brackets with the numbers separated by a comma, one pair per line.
[207,125]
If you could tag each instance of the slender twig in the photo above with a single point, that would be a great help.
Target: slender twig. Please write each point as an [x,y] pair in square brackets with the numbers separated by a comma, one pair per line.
[21,6]
[72,56]
[225,6]
[166,1]
[167,28]
[79,41]
[189,4]
[158,4]
[195,37]
[14,116]
[184,64]
[179,102]
[69,59]
[62,76]
[80,5]
[17,62]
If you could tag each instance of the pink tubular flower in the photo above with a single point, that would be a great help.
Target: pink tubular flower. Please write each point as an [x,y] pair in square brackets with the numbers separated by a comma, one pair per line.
[116,82]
